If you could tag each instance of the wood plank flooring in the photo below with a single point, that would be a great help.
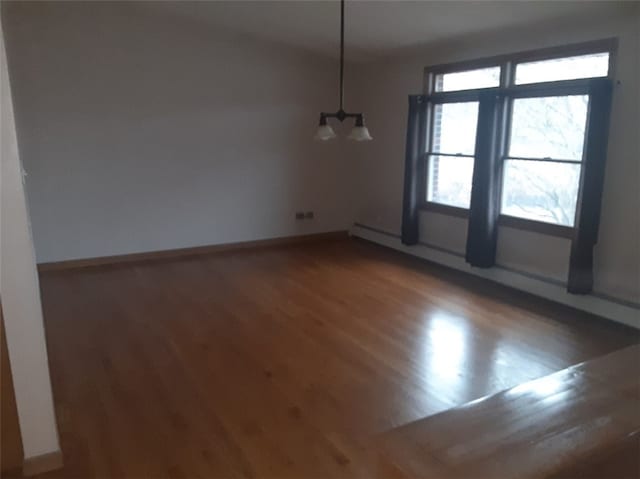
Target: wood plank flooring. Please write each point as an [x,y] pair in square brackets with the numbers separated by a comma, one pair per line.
[565,425]
[283,362]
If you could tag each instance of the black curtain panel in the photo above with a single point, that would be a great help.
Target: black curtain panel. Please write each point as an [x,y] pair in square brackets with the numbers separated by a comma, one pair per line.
[416,130]
[588,216]
[482,230]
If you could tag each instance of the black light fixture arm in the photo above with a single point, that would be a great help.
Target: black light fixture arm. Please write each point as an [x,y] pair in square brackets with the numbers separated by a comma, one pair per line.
[341,115]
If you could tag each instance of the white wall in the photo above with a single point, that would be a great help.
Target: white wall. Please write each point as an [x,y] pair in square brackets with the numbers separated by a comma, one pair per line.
[144,132]
[20,293]
[384,87]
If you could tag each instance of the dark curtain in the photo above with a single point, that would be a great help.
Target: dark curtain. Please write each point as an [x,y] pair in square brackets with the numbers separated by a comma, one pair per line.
[588,216]
[416,131]
[482,230]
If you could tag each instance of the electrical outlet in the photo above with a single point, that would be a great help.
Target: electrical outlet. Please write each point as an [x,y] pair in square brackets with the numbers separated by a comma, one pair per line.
[299,215]
[308,215]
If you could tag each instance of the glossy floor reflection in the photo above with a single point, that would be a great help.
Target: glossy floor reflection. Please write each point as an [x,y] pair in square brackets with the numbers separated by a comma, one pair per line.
[549,427]
[283,362]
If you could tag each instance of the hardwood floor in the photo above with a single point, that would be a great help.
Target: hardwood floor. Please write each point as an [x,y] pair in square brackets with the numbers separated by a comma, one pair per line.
[283,362]
[581,422]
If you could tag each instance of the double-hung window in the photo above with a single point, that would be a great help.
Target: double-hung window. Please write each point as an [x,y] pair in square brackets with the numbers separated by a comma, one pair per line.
[452,134]
[452,153]
[541,169]
[544,101]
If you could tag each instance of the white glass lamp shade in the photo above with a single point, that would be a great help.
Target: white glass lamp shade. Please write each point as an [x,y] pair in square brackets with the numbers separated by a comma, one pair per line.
[324,133]
[360,133]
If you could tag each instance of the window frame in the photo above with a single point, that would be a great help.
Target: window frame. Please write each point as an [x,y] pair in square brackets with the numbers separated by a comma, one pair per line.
[508,91]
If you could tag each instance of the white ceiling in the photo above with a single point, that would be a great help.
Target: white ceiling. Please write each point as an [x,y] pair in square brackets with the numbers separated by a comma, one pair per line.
[380,28]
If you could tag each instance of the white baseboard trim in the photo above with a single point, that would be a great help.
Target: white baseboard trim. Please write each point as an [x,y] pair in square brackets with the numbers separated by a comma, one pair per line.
[614,311]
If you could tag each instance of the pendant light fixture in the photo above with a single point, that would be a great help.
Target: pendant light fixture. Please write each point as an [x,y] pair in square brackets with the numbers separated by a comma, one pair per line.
[359,132]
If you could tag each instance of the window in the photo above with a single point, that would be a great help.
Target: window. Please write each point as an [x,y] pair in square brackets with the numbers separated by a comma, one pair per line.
[542,168]
[568,68]
[468,80]
[452,153]
[540,135]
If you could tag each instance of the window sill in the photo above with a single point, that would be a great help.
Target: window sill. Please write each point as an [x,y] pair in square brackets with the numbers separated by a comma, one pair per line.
[536,226]
[445,209]
[505,220]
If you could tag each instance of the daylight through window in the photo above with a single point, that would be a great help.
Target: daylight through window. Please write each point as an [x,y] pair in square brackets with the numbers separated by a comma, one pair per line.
[541,133]
[452,153]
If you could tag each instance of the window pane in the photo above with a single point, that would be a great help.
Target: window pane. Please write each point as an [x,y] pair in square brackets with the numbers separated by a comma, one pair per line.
[569,68]
[541,190]
[450,180]
[454,128]
[468,80]
[549,127]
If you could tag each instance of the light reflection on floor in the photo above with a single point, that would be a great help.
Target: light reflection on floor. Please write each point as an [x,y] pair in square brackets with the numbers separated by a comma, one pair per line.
[444,347]
[553,388]
[450,362]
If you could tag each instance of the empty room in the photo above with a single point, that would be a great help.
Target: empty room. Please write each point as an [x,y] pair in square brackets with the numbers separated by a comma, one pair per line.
[320,239]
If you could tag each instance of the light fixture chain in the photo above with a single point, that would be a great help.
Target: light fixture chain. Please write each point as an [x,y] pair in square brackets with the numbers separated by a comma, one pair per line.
[342,54]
